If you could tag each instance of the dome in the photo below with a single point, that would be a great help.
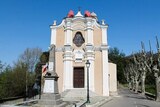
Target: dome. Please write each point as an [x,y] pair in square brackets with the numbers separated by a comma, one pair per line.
[87,13]
[70,14]
[93,14]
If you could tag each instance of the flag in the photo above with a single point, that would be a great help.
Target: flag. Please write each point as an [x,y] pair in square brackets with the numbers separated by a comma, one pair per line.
[44,69]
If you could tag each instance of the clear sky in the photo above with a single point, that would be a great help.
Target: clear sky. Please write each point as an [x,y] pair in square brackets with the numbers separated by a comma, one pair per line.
[25,23]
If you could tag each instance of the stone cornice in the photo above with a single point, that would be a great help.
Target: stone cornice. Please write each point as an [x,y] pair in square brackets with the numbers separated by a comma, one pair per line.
[86,20]
[104,47]
[58,26]
[88,47]
[104,26]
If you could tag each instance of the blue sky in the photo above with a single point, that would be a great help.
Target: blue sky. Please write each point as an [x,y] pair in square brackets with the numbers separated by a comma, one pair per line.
[25,23]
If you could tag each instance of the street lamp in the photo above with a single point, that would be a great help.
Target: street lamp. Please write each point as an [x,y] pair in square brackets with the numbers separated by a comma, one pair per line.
[88,65]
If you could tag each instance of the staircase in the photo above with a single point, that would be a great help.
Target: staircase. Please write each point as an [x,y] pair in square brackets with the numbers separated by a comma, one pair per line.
[76,94]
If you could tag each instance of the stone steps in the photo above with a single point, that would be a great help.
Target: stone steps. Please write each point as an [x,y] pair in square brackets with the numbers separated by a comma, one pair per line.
[77,93]
[76,96]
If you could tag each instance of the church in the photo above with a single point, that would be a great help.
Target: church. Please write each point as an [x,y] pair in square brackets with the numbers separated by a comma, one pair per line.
[78,38]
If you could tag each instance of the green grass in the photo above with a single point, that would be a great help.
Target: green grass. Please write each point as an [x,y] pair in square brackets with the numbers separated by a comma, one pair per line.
[150,89]
[125,85]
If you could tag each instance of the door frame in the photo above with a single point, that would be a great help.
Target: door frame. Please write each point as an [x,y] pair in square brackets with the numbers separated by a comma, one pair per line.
[82,67]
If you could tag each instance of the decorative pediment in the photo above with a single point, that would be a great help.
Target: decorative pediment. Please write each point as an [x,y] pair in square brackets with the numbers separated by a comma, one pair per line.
[78,26]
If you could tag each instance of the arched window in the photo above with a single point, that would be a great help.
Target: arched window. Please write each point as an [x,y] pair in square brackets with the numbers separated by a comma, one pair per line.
[78,39]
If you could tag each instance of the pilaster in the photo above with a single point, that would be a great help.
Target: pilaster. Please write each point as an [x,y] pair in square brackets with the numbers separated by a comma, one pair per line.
[104,34]
[68,67]
[90,56]
[53,35]
[68,32]
[89,31]
[104,49]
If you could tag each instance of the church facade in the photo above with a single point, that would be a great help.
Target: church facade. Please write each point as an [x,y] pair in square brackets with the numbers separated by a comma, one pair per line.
[79,38]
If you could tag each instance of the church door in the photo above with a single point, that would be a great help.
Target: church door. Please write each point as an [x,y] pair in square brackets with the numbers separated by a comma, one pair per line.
[78,77]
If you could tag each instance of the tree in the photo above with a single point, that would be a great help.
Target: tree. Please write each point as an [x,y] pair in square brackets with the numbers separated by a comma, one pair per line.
[30,57]
[154,67]
[118,58]
[4,80]
[14,81]
[44,58]
[142,60]
[1,67]
[135,74]
[128,77]
[147,64]
[18,79]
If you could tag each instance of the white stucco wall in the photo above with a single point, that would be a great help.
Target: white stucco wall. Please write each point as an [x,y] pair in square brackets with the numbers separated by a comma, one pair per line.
[112,79]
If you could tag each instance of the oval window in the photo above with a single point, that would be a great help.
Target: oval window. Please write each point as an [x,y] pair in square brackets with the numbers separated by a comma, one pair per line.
[78,39]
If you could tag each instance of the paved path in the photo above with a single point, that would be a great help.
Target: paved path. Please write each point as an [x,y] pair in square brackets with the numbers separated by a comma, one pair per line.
[127,98]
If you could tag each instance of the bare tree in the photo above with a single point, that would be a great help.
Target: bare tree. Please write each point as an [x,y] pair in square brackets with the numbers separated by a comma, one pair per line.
[128,77]
[133,74]
[136,75]
[144,62]
[30,57]
[156,70]
[141,60]
[153,66]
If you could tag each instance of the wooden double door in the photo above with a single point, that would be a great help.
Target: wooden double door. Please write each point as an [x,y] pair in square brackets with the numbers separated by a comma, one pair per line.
[78,77]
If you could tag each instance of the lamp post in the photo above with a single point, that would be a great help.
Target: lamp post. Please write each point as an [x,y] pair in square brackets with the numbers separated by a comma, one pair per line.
[88,65]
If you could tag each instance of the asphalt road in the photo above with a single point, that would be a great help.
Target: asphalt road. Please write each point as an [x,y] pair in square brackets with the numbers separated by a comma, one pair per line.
[126,98]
